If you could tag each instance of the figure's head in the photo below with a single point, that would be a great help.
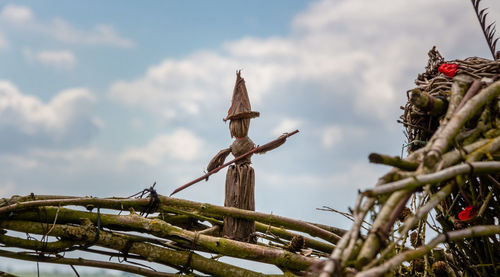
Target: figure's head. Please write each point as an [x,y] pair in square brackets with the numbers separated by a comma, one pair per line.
[239,127]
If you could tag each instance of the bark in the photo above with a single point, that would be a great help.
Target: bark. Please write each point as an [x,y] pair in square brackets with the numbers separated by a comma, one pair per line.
[240,186]
[427,103]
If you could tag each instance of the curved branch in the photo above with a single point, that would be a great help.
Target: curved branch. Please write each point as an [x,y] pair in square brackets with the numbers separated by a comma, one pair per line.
[85,262]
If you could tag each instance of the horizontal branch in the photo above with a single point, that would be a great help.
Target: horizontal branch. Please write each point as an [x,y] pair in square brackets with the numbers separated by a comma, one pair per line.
[85,262]
[275,220]
[160,228]
[282,233]
[392,161]
[52,247]
[122,242]
[166,202]
[476,168]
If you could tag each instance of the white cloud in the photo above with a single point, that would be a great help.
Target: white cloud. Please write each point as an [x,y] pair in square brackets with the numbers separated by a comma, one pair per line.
[60,59]
[181,145]
[100,35]
[332,135]
[66,118]
[182,87]
[22,18]
[16,14]
[343,46]
[287,125]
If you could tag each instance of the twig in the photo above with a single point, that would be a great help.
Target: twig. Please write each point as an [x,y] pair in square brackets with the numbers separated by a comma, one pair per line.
[488,31]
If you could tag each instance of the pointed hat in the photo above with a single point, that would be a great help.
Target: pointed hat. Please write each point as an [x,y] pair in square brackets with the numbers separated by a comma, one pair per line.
[240,106]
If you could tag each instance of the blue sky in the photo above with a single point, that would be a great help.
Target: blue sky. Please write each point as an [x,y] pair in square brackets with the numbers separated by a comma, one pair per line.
[103,98]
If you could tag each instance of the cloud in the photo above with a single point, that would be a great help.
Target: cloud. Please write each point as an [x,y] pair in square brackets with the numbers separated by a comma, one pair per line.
[352,51]
[332,135]
[175,88]
[22,18]
[286,125]
[16,14]
[100,35]
[25,120]
[60,59]
[181,145]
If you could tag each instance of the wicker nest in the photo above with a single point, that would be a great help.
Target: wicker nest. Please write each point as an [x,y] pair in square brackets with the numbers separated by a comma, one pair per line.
[449,182]
[420,123]
[473,195]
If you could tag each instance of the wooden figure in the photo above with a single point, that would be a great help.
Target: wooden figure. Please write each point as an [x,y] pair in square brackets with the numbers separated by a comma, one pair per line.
[240,178]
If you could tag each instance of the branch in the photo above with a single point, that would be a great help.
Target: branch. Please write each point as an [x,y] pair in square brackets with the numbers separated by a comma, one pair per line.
[477,168]
[475,231]
[427,103]
[275,220]
[120,242]
[162,229]
[373,242]
[201,208]
[392,161]
[442,138]
[85,262]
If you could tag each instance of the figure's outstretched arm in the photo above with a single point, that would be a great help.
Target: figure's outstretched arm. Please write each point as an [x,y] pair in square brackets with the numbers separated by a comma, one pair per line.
[218,159]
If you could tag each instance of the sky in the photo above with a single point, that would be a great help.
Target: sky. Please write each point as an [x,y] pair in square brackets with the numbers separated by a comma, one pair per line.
[103,98]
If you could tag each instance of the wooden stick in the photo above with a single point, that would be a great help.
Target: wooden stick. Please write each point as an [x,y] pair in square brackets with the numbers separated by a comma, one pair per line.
[215,170]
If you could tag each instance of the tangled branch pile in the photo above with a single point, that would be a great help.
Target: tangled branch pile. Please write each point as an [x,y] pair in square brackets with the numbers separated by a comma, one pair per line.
[447,185]
[178,233]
